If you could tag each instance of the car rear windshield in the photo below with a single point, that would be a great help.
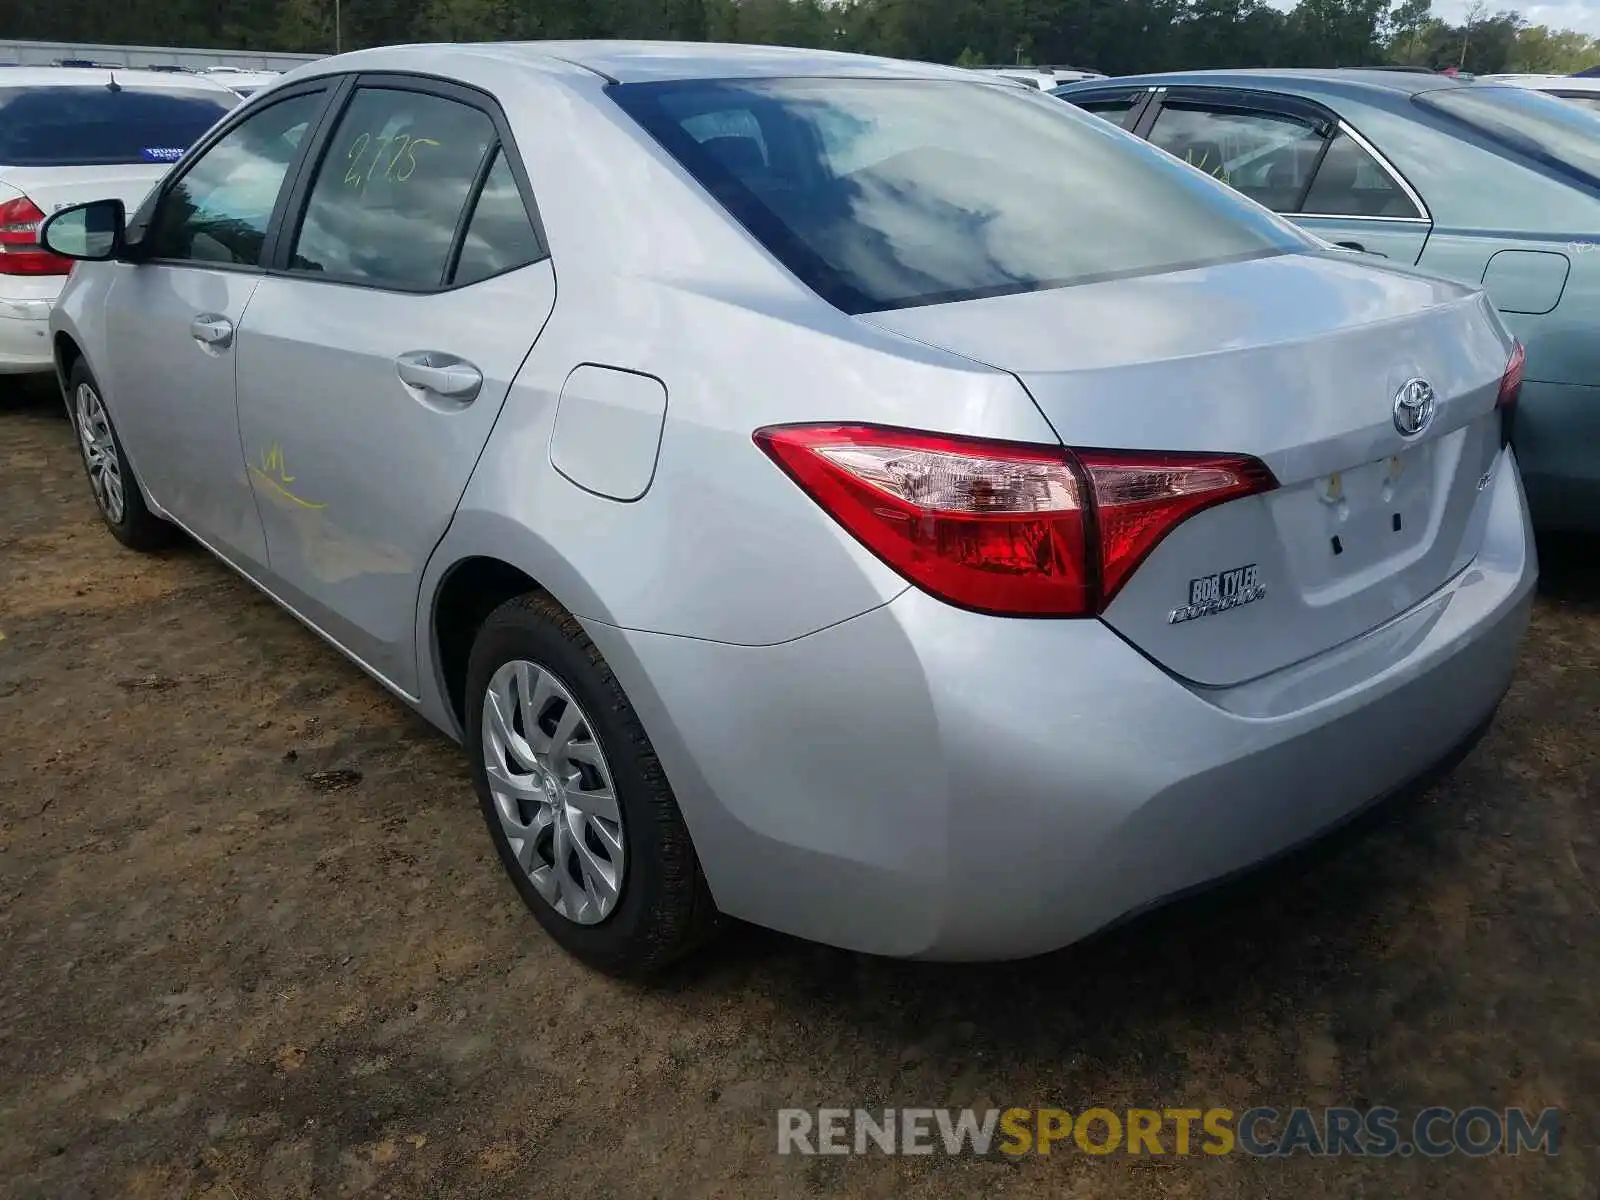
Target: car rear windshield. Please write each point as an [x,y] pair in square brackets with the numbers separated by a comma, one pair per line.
[69,126]
[1547,128]
[884,194]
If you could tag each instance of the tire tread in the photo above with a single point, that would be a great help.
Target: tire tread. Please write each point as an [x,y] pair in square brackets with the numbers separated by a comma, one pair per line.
[684,916]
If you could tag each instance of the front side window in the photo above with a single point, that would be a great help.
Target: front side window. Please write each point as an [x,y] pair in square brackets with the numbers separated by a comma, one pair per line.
[102,125]
[1267,156]
[1351,183]
[219,210]
[890,193]
[1547,128]
[389,194]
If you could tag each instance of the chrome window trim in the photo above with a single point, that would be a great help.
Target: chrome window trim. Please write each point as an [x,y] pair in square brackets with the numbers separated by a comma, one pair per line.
[1389,169]
[1305,216]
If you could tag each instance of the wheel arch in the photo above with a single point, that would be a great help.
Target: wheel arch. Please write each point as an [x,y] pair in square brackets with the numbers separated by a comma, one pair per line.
[483,561]
[66,353]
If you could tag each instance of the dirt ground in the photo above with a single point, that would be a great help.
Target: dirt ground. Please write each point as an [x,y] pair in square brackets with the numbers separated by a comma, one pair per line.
[254,943]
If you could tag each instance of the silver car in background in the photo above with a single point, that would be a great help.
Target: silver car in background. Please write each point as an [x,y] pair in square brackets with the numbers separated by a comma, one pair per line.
[793,517]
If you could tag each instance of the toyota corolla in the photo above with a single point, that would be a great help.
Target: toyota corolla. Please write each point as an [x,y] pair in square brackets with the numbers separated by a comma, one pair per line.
[858,497]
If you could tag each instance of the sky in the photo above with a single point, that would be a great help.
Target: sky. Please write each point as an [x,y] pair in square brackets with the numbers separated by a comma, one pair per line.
[1582,15]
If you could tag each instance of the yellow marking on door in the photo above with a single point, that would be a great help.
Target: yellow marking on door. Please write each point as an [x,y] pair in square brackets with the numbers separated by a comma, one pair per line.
[273,470]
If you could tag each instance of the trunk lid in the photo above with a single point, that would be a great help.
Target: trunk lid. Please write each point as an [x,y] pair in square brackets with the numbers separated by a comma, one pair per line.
[1297,360]
[58,187]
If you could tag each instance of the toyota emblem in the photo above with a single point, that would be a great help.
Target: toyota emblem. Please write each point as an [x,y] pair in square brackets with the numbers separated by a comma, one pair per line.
[1413,407]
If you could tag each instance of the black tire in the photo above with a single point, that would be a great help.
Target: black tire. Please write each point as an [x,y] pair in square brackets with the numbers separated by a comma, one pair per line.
[136,527]
[664,909]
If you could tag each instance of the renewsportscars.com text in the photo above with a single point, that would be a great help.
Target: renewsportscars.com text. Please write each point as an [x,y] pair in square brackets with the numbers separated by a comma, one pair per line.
[1433,1132]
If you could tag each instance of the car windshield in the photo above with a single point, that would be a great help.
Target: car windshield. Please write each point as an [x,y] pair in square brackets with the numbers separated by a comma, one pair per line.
[884,194]
[1546,127]
[72,126]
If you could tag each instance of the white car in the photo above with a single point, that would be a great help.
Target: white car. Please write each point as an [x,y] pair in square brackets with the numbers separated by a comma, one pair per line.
[244,83]
[1043,78]
[1584,90]
[70,134]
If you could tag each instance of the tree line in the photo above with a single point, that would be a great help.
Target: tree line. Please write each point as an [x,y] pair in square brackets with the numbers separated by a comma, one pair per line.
[1115,36]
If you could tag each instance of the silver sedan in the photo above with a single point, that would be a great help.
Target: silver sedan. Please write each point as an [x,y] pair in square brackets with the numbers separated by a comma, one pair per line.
[857,497]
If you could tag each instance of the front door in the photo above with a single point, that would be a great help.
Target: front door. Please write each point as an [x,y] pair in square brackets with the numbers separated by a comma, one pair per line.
[172,320]
[372,368]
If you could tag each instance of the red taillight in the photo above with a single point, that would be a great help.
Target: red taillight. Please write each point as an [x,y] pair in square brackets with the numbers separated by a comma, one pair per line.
[1141,497]
[20,252]
[1005,527]
[1510,389]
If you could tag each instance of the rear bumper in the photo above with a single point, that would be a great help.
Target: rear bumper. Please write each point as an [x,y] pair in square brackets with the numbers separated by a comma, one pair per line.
[1557,432]
[25,325]
[921,781]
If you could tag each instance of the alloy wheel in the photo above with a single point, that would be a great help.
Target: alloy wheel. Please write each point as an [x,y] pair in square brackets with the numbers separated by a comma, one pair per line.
[553,792]
[100,453]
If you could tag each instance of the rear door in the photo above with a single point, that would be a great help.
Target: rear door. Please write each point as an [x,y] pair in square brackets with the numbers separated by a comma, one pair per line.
[1298,159]
[1359,201]
[409,285]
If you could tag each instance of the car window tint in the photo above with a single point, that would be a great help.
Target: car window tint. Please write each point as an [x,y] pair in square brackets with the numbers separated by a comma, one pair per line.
[1266,156]
[66,126]
[1115,111]
[391,188]
[1350,183]
[880,193]
[219,210]
[1546,128]
[499,235]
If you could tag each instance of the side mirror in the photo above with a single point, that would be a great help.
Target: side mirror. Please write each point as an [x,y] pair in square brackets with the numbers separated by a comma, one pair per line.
[93,232]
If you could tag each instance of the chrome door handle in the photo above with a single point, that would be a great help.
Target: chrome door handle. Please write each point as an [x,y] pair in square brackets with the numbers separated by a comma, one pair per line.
[439,373]
[212,329]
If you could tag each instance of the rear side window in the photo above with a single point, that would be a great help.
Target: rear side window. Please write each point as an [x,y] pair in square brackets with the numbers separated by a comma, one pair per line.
[1546,128]
[71,126]
[1351,183]
[499,236]
[391,189]
[884,194]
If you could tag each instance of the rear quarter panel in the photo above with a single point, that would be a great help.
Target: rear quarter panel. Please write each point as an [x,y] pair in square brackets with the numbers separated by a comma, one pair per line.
[1506,225]
[653,278]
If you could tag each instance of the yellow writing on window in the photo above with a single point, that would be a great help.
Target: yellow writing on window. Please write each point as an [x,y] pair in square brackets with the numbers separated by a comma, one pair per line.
[272,470]
[392,157]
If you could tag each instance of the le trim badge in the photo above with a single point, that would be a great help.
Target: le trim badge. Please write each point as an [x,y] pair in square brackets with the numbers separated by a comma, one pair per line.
[1212,594]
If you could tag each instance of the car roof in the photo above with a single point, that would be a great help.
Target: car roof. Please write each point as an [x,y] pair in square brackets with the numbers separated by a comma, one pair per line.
[645,62]
[1309,79]
[127,77]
